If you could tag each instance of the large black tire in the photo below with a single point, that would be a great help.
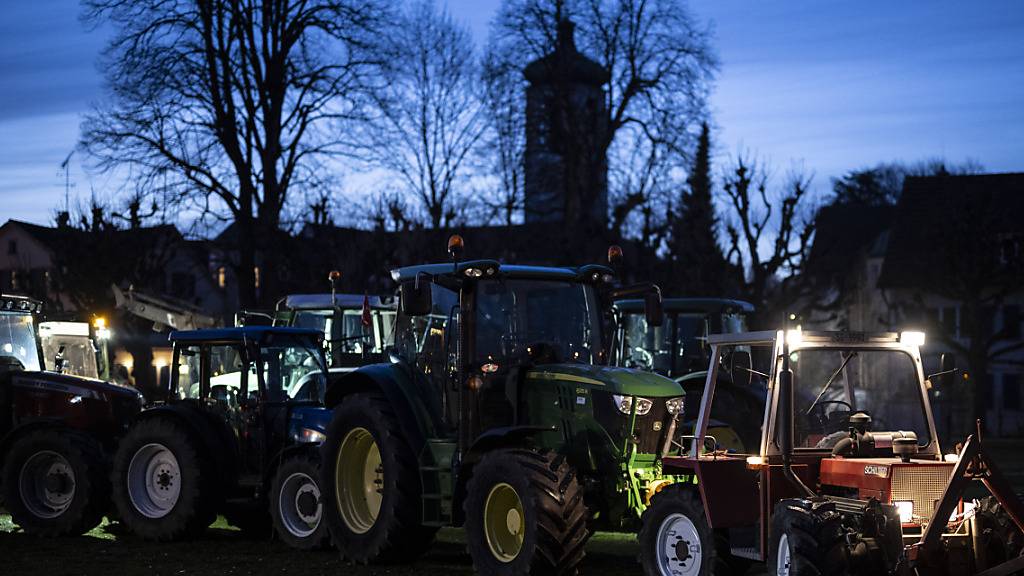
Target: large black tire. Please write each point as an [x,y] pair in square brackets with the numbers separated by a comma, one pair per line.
[998,536]
[296,504]
[525,514]
[381,521]
[55,483]
[807,540]
[163,488]
[675,537]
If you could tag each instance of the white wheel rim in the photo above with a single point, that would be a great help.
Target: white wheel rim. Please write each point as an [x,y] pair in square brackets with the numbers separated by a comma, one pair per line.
[154,481]
[679,549]
[783,562]
[299,505]
[46,484]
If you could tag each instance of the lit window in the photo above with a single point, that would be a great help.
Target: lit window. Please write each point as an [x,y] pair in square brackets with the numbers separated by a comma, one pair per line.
[256,275]
[222,280]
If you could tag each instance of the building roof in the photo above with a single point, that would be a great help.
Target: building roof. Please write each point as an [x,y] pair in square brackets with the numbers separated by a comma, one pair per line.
[935,209]
[844,232]
[239,333]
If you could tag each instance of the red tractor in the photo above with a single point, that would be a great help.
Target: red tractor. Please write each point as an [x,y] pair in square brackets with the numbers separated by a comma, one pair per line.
[842,475]
[57,433]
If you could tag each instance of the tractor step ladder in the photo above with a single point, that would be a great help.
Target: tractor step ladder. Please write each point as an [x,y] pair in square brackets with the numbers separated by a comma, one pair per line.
[436,480]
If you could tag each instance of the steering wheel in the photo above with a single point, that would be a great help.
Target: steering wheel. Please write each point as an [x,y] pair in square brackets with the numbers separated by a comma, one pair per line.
[822,416]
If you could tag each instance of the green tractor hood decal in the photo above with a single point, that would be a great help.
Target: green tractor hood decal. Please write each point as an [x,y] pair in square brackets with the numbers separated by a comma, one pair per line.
[615,380]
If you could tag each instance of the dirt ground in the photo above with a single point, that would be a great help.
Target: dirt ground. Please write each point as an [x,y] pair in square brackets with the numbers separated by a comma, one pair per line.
[225,552]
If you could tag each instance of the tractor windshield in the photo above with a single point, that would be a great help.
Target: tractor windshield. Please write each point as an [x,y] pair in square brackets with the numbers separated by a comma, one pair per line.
[292,369]
[553,321]
[18,339]
[831,384]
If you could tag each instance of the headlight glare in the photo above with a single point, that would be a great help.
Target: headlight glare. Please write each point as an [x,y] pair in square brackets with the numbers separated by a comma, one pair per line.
[625,404]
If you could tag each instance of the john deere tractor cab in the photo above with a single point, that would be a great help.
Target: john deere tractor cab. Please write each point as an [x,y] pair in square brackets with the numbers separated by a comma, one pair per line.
[496,412]
[841,474]
[237,435]
[57,432]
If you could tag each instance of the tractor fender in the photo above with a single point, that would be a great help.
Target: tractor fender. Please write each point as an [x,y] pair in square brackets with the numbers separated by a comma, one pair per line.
[213,437]
[16,434]
[503,437]
[405,395]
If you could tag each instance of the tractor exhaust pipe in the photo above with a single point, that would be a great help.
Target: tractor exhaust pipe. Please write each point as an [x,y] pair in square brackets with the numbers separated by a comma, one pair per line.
[786,407]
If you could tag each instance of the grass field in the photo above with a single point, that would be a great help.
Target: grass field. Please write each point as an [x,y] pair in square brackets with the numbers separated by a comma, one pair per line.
[225,552]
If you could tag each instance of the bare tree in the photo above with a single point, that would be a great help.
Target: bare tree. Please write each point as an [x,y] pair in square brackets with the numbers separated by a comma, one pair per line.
[769,234]
[229,102]
[505,137]
[429,114]
[660,63]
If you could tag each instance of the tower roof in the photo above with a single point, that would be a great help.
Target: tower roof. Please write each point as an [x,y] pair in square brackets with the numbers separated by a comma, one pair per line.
[566,62]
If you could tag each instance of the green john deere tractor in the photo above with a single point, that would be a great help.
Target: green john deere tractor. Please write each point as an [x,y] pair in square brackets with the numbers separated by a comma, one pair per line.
[497,412]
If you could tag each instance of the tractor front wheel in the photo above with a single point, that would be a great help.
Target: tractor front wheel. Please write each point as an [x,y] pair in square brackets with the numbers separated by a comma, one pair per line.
[806,540]
[675,538]
[55,483]
[525,514]
[296,505]
[369,480]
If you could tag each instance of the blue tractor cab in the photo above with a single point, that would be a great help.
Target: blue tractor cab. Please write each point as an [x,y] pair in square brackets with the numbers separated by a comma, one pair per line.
[236,434]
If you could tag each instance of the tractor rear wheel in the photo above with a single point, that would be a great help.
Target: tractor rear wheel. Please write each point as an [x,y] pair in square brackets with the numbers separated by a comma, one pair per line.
[806,540]
[525,514]
[163,488]
[369,479]
[675,538]
[296,505]
[999,538]
[55,483]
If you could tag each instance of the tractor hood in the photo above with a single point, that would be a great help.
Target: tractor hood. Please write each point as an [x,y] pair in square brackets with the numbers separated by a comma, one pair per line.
[73,385]
[624,381]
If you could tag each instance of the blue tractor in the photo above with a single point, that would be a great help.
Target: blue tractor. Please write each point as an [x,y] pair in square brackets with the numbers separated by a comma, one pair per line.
[236,434]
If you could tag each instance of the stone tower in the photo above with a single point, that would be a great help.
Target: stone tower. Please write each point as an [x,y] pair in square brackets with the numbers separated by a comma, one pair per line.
[566,172]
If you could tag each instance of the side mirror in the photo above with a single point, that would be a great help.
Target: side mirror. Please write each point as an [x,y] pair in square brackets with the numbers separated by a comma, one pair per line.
[740,368]
[414,298]
[653,309]
[947,369]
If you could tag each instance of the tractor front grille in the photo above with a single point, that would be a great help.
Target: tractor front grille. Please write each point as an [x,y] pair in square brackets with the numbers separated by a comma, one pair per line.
[921,484]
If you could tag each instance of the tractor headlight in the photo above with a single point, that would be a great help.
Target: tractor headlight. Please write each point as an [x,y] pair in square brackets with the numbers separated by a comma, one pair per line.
[625,404]
[309,436]
[674,405]
[905,508]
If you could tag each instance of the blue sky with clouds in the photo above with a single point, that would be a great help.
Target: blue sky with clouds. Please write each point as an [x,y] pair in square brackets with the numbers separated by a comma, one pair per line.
[827,85]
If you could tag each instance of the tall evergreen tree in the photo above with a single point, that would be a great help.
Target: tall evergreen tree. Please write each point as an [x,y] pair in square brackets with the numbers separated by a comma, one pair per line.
[699,267]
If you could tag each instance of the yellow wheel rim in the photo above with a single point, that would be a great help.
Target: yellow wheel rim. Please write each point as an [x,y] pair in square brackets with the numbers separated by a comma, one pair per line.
[504,522]
[359,480]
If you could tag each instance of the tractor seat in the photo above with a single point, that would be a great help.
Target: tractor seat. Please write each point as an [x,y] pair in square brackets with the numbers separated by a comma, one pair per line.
[10,364]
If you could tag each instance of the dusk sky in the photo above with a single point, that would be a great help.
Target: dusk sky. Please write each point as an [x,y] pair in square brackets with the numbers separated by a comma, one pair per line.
[830,86]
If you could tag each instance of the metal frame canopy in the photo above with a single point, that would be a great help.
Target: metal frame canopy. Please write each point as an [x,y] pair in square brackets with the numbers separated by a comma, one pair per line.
[805,341]
[688,305]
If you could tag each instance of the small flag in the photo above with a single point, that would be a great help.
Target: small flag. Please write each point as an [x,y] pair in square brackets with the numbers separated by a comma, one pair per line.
[366,319]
